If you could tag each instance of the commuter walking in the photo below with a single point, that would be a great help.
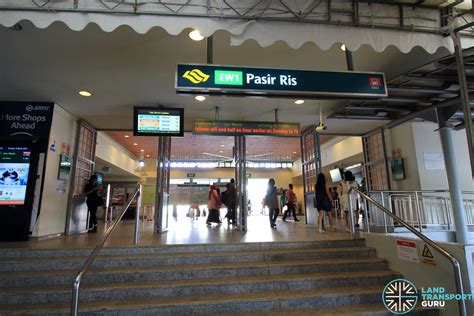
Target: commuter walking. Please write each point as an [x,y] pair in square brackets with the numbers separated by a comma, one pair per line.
[290,204]
[213,205]
[346,185]
[231,199]
[91,191]
[323,202]
[271,201]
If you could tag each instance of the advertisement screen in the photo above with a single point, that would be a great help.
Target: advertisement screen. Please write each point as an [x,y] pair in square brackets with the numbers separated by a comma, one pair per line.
[14,168]
[158,122]
[335,175]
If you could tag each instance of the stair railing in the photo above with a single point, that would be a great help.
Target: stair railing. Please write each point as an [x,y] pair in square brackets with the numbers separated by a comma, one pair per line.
[77,281]
[434,245]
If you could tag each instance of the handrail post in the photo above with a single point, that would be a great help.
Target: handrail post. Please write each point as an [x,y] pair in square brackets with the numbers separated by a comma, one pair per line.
[75,296]
[417,209]
[351,215]
[382,197]
[137,217]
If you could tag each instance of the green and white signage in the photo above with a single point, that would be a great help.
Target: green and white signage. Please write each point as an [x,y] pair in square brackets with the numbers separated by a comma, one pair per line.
[283,82]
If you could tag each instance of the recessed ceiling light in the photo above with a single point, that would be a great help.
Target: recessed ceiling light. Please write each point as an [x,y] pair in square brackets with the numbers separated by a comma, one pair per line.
[135,144]
[195,35]
[85,93]
[343,47]
[200,98]
[294,152]
[148,155]
[126,136]
[299,101]
[142,150]
[222,145]
[221,151]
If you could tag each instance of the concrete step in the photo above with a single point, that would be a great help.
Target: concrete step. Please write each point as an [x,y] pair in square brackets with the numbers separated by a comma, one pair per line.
[180,272]
[139,260]
[161,289]
[214,303]
[348,310]
[173,249]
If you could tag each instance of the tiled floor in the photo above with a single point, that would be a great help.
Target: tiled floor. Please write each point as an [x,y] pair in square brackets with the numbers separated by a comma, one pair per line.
[188,231]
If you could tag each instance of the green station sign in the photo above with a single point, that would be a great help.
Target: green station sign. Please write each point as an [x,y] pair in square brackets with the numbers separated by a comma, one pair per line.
[194,78]
[238,128]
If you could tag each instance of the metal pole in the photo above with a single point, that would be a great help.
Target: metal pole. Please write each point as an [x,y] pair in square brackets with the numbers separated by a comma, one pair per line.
[349,60]
[216,113]
[351,216]
[276,115]
[384,216]
[137,215]
[455,192]
[418,213]
[107,205]
[464,94]
[209,50]
[448,218]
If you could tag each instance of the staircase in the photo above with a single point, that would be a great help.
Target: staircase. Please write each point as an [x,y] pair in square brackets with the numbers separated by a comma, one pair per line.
[287,278]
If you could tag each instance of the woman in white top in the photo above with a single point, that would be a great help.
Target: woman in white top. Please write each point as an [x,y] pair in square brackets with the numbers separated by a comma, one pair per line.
[349,182]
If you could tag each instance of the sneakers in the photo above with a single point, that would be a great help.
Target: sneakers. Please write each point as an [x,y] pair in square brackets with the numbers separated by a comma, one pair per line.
[297,220]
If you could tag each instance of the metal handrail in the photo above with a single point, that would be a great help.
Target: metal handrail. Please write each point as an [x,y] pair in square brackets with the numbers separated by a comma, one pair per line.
[419,191]
[435,246]
[77,281]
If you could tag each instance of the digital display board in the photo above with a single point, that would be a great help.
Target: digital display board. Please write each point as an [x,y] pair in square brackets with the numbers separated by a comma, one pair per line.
[153,121]
[237,128]
[14,169]
[213,79]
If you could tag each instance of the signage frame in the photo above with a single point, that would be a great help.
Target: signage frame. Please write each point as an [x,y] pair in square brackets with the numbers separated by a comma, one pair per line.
[280,93]
[242,133]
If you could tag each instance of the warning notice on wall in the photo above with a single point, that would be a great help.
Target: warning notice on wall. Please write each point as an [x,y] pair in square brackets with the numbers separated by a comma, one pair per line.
[427,257]
[406,250]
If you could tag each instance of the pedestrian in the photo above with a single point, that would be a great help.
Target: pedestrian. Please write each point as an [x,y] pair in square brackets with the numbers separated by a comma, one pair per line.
[346,185]
[91,191]
[231,200]
[323,202]
[213,205]
[291,203]
[271,201]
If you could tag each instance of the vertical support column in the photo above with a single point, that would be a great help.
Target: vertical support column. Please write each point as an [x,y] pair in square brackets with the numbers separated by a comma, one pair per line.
[241,182]
[209,49]
[459,213]
[464,94]
[162,184]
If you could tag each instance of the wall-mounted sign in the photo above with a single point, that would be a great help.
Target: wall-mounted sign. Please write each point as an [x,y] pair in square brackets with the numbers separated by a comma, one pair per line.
[398,169]
[282,82]
[236,128]
[26,120]
[406,250]
[64,167]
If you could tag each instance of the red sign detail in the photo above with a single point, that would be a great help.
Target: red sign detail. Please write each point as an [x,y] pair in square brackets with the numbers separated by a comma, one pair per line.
[406,243]
[375,82]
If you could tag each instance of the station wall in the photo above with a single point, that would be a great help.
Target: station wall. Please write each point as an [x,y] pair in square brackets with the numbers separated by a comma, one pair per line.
[54,202]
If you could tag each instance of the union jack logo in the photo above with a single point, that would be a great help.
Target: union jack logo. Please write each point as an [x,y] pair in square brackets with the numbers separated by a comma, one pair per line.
[400,296]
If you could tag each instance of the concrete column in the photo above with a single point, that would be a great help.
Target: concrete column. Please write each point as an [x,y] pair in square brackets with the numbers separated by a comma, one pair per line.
[459,213]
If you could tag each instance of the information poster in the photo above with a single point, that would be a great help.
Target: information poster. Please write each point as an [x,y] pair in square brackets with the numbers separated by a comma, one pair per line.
[14,169]
[406,250]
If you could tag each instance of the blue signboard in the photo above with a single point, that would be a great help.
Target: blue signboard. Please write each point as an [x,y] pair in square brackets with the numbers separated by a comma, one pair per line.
[280,82]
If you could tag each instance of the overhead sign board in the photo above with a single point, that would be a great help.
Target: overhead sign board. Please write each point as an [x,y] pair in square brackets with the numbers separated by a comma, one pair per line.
[238,128]
[194,78]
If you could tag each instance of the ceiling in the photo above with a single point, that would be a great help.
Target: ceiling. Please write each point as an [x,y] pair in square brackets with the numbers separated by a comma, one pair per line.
[124,69]
[213,148]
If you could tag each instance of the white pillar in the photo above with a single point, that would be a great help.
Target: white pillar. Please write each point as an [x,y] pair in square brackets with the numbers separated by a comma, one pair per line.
[459,213]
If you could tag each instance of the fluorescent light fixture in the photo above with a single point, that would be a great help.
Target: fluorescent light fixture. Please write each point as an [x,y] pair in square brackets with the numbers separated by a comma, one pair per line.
[354,166]
[195,35]
[299,101]
[343,47]
[85,93]
[200,98]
